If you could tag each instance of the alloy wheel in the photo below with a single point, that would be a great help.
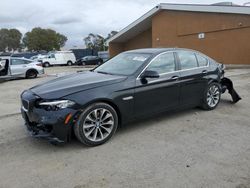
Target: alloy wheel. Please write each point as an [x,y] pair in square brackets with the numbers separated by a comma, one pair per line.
[98,124]
[213,96]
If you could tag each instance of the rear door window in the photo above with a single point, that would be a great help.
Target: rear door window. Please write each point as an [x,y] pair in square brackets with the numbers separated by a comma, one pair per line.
[17,62]
[187,60]
[202,61]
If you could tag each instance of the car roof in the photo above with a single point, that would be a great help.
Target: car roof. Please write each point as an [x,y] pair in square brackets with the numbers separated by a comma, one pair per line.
[21,58]
[90,56]
[150,50]
[157,50]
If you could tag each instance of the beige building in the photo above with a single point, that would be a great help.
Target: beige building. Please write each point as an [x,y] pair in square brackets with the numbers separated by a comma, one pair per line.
[220,31]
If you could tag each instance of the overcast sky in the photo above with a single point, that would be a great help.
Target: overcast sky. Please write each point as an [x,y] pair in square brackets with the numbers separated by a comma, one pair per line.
[77,18]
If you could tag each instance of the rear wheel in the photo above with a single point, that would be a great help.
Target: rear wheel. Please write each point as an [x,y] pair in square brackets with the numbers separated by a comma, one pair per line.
[97,124]
[69,63]
[31,74]
[212,96]
[46,64]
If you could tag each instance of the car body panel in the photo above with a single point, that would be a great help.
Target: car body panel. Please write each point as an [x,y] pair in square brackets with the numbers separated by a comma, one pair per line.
[131,96]
[160,94]
[74,83]
[44,119]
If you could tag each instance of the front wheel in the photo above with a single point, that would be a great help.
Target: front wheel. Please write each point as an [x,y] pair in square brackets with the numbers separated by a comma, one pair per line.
[212,96]
[96,125]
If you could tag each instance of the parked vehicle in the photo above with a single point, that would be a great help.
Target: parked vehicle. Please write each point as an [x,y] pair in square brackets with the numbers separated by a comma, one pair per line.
[59,58]
[27,55]
[38,57]
[80,53]
[132,85]
[89,60]
[104,55]
[5,55]
[20,67]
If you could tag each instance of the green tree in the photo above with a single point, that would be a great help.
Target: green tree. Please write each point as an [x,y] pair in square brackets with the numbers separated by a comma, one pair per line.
[94,42]
[111,34]
[10,39]
[97,42]
[44,39]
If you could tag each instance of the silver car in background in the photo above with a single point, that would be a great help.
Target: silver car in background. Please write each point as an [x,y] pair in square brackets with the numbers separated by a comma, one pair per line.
[20,67]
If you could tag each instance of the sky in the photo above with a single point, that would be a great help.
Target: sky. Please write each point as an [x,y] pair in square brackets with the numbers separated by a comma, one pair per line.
[77,18]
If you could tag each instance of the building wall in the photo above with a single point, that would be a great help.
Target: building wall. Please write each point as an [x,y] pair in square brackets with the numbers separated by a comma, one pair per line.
[115,48]
[227,36]
[143,40]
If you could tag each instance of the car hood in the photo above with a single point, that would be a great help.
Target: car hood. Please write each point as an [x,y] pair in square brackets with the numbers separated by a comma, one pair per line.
[74,83]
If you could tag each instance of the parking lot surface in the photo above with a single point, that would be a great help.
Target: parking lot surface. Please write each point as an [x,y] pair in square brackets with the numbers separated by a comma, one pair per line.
[189,148]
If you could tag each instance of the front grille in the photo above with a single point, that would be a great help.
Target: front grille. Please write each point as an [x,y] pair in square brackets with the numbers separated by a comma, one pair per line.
[28,100]
[25,105]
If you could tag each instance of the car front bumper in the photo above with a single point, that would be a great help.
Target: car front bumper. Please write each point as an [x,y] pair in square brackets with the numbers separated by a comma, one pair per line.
[41,71]
[49,125]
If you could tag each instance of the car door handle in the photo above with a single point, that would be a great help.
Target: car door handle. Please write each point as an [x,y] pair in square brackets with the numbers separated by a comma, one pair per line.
[204,72]
[175,78]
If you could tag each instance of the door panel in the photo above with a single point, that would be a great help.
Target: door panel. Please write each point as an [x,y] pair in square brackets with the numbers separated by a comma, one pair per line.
[17,67]
[192,78]
[193,84]
[158,94]
[52,59]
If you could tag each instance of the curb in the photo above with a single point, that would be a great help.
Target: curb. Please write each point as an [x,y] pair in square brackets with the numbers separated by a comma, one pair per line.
[231,66]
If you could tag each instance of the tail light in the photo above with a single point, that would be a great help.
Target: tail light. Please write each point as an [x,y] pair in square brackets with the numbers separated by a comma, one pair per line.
[39,64]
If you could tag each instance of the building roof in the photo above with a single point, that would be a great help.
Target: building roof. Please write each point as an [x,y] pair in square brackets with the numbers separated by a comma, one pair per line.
[144,22]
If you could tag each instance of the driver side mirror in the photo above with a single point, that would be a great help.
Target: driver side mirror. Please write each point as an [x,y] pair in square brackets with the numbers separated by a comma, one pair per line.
[150,74]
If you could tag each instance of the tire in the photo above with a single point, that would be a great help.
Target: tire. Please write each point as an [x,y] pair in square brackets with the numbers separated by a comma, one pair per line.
[31,74]
[96,125]
[46,64]
[212,96]
[69,63]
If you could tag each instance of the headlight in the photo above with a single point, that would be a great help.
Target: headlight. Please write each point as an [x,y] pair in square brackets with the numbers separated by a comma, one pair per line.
[56,105]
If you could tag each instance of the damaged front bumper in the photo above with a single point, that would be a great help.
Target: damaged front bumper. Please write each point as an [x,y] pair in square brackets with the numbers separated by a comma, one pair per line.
[49,125]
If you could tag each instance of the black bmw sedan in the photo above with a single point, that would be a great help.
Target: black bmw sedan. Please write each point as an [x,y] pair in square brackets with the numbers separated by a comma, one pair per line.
[132,85]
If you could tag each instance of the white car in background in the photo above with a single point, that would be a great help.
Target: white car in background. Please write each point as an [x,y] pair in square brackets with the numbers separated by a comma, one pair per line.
[59,58]
[20,67]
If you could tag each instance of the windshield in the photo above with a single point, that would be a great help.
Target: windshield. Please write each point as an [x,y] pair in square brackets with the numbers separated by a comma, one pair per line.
[123,64]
